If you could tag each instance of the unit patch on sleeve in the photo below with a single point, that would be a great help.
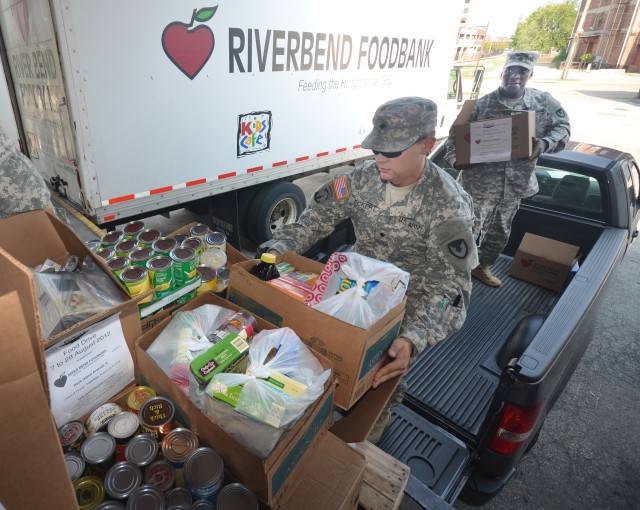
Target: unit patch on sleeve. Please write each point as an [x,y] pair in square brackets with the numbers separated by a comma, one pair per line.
[458,248]
[341,188]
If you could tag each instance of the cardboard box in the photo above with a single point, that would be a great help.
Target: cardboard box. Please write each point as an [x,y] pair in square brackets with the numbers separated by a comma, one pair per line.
[233,256]
[356,353]
[488,141]
[544,261]
[268,477]
[35,474]
[27,240]
[332,477]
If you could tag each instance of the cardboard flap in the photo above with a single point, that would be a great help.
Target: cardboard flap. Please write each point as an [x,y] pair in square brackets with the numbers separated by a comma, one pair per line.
[465,111]
[25,407]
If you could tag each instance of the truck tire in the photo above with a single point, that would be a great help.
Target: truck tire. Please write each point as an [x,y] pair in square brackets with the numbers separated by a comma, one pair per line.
[274,205]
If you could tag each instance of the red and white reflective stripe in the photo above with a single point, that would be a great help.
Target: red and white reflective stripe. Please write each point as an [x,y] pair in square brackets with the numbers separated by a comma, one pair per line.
[197,182]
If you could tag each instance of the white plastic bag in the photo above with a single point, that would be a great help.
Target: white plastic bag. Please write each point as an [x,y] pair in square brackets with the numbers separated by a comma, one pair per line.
[358,289]
[184,338]
[268,411]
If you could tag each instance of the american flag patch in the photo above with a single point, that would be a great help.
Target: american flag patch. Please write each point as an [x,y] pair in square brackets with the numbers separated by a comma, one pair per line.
[341,188]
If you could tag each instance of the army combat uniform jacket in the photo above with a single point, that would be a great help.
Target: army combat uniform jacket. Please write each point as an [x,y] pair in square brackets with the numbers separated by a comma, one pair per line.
[428,234]
[22,188]
[512,180]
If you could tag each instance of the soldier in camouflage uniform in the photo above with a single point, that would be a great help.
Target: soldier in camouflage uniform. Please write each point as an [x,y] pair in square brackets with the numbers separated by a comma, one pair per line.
[497,188]
[407,211]
[22,188]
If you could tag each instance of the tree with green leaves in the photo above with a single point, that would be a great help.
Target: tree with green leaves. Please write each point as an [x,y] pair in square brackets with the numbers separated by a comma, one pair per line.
[547,28]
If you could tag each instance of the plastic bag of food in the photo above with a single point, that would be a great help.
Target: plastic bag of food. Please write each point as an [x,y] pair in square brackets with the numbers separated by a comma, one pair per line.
[72,293]
[184,339]
[357,289]
[283,378]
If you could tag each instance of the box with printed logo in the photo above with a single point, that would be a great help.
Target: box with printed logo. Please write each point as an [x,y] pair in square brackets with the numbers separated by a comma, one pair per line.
[493,140]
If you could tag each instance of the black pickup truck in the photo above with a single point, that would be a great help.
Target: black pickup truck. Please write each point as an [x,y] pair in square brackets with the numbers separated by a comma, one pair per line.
[477,400]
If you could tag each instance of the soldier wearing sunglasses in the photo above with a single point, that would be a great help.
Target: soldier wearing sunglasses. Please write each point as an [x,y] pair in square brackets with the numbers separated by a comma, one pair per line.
[497,188]
[407,211]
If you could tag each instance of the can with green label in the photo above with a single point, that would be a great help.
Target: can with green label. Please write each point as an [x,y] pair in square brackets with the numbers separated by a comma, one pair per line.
[133,228]
[118,264]
[147,237]
[164,245]
[141,256]
[136,280]
[161,275]
[196,244]
[125,247]
[184,265]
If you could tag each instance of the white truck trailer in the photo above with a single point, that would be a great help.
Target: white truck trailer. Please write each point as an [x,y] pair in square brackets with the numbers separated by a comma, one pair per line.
[131,109]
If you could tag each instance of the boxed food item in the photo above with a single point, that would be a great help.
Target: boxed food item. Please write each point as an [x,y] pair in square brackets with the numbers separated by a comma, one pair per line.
[267,477]
[356,353]
[543,261]
[493,140]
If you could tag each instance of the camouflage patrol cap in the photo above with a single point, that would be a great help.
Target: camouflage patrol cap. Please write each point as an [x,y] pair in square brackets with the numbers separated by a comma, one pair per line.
[400,123]
[526,59]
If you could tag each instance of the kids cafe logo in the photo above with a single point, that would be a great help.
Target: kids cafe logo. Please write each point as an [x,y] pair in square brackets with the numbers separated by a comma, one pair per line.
[189,46]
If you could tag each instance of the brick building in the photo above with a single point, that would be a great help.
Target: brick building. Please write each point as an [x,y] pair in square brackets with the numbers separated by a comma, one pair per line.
[608,29]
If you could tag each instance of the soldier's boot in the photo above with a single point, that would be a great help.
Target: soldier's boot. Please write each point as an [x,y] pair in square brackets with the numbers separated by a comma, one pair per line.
[484,274]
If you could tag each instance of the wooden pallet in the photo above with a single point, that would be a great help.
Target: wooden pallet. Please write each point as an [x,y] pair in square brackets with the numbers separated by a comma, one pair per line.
[384,478]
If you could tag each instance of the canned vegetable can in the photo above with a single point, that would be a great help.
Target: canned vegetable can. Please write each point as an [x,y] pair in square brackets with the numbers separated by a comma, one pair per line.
[147,237]
[161,475]
[196,244]
[208,275]
[99,453]
[177,445]
[184,265]
[142,450]
[146,497]
[111,505]
[179,497]
[199,230]
[140,256]
[216,240]
[138,396]
[161,275]
[203,504]
[110,239]
[94,244]
[75,465]
[89,492]
[222,280]
[99,418]
[133,229]
[118,264]
[71,436]
[106,253]
[125,247]
[122,428]
[156,416]
[235,496]
[122,479]
[136,281]
[164,245]
[214,258]
[204,473]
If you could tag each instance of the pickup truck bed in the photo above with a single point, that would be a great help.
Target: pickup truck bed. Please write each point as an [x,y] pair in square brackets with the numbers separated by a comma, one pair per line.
[520,343]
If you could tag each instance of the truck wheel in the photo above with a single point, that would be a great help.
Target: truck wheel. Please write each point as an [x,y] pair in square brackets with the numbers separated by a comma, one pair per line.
[274,205]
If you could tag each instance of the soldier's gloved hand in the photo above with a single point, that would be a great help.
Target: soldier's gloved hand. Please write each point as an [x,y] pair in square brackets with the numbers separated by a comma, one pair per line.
[400,354]
[539,146]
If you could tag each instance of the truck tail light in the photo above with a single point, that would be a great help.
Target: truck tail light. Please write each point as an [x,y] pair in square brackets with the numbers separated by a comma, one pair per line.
[514,427]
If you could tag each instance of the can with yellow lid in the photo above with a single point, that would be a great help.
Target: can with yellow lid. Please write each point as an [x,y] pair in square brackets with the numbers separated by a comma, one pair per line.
[138,396]
[89,492]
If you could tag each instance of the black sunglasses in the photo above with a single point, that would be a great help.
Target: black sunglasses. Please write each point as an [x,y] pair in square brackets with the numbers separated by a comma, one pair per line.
[388,155]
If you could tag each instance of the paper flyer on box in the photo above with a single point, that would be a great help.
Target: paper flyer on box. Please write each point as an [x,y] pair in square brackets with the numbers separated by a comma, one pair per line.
[87,370]
[490,140]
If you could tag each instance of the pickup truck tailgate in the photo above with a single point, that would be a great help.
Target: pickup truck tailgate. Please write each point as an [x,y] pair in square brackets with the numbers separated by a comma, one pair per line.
[436,459]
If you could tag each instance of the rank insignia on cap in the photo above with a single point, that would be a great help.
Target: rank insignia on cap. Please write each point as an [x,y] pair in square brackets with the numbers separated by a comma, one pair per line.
[458,248]
[341,188]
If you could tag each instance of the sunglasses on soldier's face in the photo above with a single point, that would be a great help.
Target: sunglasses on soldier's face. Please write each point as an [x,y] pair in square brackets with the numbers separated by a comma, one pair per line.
[388,155]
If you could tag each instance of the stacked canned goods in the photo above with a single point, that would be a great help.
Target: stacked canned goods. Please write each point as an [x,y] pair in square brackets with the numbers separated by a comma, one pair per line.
[139,458]
[143,259]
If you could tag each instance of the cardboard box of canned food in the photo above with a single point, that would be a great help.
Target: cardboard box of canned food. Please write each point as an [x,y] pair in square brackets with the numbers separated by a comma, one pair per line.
[267,477]
[356,353]
[233,256]
[27,240]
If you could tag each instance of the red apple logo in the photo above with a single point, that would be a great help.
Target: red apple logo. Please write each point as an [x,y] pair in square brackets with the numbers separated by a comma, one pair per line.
[189,47]
[526,262]
[477,141]
[20,12]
